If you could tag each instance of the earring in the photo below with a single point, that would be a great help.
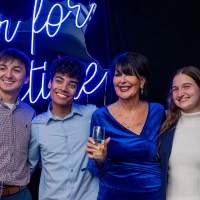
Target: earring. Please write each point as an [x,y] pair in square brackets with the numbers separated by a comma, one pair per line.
[142,91]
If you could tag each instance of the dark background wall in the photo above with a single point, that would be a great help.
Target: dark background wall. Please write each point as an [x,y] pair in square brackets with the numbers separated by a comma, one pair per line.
[165,31]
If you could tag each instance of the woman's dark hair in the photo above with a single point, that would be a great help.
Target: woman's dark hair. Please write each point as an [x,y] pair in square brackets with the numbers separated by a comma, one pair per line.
[132,64]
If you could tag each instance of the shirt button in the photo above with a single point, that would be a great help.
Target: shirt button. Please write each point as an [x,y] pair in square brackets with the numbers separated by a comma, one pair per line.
[72,170]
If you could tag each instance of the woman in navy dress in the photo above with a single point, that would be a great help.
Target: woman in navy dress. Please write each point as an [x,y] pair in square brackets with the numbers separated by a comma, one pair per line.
[128,168]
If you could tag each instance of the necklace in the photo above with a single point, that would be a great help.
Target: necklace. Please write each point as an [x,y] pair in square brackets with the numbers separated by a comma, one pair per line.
[125,117]
[131,119]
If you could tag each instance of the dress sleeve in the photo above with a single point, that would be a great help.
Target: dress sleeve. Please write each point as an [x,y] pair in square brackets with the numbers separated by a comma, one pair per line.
[97,169]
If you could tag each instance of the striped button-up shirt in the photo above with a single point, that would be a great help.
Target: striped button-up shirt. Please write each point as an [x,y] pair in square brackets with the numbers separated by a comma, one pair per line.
[14,141]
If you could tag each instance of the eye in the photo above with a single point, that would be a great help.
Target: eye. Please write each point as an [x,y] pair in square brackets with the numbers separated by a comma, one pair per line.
[2,68]
[186,86]
[73,86]
[17,70]
[58,81]
[174,89]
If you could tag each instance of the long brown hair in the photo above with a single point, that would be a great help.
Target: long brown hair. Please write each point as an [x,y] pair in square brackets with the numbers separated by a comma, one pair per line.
[174,112]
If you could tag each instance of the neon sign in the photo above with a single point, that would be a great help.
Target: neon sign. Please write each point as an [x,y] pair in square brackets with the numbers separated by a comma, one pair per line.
[93,66]
[52,23]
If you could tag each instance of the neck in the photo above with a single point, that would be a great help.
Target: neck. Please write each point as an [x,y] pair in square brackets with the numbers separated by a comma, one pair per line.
[61,111]
[8,98]
[129,105]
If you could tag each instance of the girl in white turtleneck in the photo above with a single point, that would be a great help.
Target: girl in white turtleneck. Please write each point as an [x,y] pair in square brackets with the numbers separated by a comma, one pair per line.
[180,138]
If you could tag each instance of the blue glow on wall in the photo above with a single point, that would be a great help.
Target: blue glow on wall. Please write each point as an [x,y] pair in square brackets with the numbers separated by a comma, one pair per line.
[50,20]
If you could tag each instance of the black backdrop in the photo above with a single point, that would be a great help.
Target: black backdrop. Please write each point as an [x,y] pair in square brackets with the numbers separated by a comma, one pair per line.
[165,31]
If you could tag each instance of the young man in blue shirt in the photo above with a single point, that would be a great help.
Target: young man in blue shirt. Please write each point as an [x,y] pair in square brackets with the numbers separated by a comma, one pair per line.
[60,136]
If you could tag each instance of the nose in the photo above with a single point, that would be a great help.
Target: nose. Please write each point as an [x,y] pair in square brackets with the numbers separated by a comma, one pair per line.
[123,78]
[8,73]
[64,87]
[180,92]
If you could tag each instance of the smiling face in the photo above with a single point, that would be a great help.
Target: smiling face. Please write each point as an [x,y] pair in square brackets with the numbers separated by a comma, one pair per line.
[12,78]
[127,85]
[62,91]
[186,93]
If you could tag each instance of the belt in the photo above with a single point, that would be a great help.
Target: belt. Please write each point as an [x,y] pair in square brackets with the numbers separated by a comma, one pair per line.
[8,190]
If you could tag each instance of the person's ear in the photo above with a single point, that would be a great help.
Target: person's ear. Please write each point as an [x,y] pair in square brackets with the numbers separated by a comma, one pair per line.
[142,82]
[49,84]
[26,80]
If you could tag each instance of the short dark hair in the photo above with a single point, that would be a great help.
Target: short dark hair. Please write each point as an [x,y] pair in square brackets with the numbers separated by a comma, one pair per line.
[12,54]
[71,66]
[132,63]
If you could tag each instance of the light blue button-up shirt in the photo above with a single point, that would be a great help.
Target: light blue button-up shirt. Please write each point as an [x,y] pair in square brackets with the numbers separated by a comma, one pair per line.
[62,143]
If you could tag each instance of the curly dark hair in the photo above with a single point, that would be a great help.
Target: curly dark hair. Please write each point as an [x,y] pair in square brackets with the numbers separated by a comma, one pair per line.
[71,66]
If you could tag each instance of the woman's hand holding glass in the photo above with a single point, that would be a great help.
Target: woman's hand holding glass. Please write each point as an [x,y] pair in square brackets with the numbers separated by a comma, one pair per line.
[92,150]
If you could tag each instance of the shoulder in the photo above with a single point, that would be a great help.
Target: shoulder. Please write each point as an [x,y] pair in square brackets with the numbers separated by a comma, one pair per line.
[157,107]
[101,110]
[41,118]
[26,107]
[86,109]
[169,132]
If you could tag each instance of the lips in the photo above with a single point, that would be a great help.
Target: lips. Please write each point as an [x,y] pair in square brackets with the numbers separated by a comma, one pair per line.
[61,95]
[8,82]
[183,99]
[124,88]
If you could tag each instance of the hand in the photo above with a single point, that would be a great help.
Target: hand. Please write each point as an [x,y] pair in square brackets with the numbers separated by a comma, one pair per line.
[91,148]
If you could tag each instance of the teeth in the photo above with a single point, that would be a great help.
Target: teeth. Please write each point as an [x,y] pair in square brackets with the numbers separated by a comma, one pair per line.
[183,99]
[124,88]
[5,81]
[61,95]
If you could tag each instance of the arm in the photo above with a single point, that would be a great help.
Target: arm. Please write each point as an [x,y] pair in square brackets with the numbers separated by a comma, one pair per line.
[96,164]
[34,152]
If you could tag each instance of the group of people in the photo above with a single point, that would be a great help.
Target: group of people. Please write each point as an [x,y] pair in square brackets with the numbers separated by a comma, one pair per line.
[149,153]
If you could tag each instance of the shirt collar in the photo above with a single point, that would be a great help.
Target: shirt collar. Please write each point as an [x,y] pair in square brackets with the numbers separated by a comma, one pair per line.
[74,111]
[2,103]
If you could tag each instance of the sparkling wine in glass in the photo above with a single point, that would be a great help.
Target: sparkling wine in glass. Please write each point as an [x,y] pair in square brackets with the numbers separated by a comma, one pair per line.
[99,138]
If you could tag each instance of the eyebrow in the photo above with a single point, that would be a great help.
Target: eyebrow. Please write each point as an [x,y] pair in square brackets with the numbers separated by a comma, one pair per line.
[182,84]
[57,76]
[71,81]
[1,64]
[74,81]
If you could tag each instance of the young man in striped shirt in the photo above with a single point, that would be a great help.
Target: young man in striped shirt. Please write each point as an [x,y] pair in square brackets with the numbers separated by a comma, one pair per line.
[15,120]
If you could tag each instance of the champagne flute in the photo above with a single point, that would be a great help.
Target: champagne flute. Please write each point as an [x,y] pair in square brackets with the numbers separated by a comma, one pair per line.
[99,138]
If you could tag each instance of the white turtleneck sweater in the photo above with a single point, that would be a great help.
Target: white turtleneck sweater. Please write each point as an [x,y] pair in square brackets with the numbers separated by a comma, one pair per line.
[184,162]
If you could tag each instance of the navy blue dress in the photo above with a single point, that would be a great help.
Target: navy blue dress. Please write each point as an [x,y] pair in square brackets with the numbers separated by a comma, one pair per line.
[131,171]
